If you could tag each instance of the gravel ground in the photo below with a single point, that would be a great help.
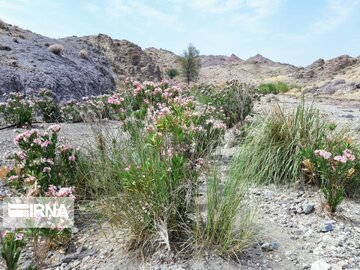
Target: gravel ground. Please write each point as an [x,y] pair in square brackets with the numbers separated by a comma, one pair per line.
[293,232]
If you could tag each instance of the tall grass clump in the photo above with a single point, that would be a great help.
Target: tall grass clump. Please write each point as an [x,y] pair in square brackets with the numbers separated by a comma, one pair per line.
[227,224]
[272,149]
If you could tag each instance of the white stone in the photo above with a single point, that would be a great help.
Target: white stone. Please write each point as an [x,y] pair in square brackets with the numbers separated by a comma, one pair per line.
[320,265]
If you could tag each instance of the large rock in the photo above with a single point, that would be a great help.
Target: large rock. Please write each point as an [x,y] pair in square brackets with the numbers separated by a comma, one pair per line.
[26,64]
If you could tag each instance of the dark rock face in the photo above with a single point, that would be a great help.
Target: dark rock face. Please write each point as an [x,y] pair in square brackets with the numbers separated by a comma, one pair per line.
[29,65]
[26,64]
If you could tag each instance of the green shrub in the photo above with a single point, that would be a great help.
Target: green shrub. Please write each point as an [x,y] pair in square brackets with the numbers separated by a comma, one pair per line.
[48,107]
[273,88]
[41,163]
[13,242]
[17,110]
[70,111]
[172,73]
[272,150]
[42,168]
[335,171]
[233,102]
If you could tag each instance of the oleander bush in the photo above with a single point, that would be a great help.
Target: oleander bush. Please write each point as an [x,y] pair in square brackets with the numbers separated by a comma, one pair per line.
[17,110]
[70,111]
[13,242]
[233,102]
[42,168]
[47,106]
[335,171]
[42,163]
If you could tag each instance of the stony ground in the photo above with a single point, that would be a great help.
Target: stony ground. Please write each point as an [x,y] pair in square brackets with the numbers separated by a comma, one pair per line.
[292,230]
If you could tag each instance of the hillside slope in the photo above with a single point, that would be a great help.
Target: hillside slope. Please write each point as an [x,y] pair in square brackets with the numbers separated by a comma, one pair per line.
[26,64]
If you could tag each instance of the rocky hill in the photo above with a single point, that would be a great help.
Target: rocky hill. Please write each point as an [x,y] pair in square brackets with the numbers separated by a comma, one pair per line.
[96,64]
[84,65]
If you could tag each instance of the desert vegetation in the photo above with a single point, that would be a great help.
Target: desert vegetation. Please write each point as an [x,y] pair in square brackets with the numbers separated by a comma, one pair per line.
[156,176]
[172,73]
[2,24]
[292,149]
[190,64]
[57,49]
[83,54]
[273,88]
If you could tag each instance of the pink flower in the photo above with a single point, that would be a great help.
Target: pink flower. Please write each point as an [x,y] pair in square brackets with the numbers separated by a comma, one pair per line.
[322,153]
[30,179]
[21,155]
[45,144]
[115,100]
[13,178]
[349,155]
[37,141]
[19,237]
[60,192]
[66,147]
[72,158]
[341,159]
[46,170]
[55,128]
[170,152]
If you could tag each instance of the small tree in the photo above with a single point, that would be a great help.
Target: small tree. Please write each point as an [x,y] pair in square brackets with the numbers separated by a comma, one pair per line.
[190,63]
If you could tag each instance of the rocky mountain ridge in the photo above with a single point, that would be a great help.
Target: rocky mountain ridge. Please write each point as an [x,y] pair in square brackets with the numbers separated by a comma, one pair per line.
[27,64]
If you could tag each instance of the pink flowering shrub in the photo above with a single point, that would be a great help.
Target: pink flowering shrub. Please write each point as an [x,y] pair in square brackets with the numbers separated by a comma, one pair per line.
[70,111]
[41,162]
[232,102]
[42,168]
[13,243]
[336,172]
[47,106]
[156,169]
[17,110]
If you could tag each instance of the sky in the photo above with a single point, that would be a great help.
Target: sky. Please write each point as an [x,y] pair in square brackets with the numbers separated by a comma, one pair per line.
[290,31]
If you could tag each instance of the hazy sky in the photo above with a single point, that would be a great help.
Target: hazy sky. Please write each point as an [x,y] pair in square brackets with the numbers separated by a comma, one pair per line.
[292,31]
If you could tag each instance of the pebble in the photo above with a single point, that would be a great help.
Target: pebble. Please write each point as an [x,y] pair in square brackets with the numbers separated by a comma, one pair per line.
[320,265]
[269,246]
[328,227]
[308,208]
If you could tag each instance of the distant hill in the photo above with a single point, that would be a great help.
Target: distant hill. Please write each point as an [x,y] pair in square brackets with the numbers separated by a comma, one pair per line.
[27,64]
